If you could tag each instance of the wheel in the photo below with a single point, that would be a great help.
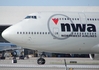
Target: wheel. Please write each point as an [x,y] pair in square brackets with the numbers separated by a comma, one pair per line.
[14,53]
[41,61]
[14,60]
[21,57]
[2,57]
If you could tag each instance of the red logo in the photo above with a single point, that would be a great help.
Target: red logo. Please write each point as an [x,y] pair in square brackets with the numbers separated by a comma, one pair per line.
[55,20]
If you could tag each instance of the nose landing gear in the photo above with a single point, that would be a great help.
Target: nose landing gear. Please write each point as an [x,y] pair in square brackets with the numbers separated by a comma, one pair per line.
[41,60]
[14,54]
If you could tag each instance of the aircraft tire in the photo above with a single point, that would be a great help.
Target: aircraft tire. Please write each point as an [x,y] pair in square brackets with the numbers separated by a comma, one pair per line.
[41,61]
[2,57]
[14,53]
[14,60]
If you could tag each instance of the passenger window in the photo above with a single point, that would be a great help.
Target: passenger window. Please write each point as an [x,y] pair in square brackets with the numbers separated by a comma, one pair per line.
[23,32]
[87,18]
[37,32]
[31,32]
[62,18]
[77,18]
[40,33]
[69,18]
[20,32]
[26,33]
[45,32]
[34,32]
[90,19]
[17,32]
[72,18]
[48,32]
[95,19]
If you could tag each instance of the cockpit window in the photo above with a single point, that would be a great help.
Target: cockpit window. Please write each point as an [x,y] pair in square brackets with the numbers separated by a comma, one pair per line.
[34,17]
[31,17]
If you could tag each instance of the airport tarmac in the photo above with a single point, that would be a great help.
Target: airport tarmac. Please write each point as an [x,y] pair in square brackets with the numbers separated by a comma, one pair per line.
[51,64]
[54,61]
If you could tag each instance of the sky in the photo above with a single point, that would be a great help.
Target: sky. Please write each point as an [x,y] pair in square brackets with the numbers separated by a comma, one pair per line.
[49,2]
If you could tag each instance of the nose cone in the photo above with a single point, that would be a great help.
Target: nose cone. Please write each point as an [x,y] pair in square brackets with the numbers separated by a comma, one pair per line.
[10,34]
[6,34]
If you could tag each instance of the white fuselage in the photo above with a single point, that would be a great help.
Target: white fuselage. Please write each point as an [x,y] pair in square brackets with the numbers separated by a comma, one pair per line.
[62,32]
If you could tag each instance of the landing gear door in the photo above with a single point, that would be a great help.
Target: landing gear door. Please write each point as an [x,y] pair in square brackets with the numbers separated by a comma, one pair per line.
[56,32]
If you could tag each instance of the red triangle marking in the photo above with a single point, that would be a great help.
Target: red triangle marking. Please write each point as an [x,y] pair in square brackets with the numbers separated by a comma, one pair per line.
[55,20]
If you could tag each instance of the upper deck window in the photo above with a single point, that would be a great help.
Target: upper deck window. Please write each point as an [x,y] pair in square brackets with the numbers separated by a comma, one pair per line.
[31,17]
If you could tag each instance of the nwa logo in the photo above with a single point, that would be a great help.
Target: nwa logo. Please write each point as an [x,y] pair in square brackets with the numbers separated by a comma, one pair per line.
[62,27]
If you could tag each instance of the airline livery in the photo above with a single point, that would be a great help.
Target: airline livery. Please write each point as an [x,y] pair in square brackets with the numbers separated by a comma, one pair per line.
[60,32]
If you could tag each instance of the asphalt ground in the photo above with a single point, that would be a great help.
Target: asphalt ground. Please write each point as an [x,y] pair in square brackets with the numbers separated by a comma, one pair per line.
[54,61]
[51,64]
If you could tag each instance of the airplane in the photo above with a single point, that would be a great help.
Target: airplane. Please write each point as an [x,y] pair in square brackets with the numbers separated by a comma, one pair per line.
[9,47]
[59,32]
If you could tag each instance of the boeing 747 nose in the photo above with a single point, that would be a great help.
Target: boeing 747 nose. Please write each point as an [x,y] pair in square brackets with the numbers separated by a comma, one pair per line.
[7,33]
[10,34]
